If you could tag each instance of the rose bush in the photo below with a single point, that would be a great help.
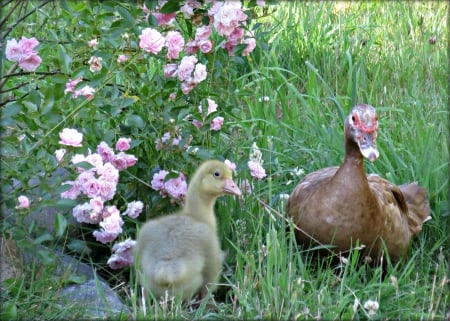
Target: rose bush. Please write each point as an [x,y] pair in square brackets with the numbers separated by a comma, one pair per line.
[152,78]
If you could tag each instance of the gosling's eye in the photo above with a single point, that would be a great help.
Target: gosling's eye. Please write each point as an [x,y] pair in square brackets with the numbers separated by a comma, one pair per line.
[216,174]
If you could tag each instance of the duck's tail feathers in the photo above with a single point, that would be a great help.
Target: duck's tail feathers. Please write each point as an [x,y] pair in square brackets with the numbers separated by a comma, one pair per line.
[418,207]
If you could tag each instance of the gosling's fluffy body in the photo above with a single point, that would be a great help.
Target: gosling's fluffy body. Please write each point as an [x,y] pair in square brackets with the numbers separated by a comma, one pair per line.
[180,253]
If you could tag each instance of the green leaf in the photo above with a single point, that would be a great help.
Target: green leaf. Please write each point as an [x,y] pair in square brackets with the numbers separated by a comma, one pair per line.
[170,6]
[66,203]
[9,312]
[60,224]
[49,101]
[126,15]
[135,121]
[78,246]
[63,188]
[32,107]
[46,257]
[65,60]
[84,165]
[8,112]
[44,237]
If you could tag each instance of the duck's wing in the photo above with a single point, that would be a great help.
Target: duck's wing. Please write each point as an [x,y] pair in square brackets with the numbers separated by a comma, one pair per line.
[307,187]
[408,200]
[418,207]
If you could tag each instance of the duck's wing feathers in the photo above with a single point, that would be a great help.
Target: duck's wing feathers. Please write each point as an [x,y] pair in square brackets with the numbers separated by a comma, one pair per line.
[408,201]
[307,187]
[418,207]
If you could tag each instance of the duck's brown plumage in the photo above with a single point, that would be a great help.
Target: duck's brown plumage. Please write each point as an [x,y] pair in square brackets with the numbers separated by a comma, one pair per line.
[180,253]
[341,205]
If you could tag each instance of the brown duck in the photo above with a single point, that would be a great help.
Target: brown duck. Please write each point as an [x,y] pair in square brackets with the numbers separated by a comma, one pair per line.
[179,254]
[341,206]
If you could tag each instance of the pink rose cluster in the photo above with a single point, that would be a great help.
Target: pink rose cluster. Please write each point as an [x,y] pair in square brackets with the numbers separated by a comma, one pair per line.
[216,122]
[227,19]
[85,91]
[24,202]
[23,53]
[175,188]
[166,140]
[98,176]
[122,254]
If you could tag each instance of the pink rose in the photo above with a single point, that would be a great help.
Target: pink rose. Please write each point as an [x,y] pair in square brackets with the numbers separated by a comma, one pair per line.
[191,47]
[106,189]
[71,84]
[70,137]
[203,33]
[186,67]
[157,182]
[73,192]
[111,226]
[256,170]
[123,144]
[151,40]
[95,64]
[30,62]
[205,46]
[200,73]
[83,213]
[228,17]
[122,161]
[105,152]
[93,43]
[122,58]
[188,8]
[24,202]
[251,45]
[108,173]
[212,106]
[96,204]
[86,91]
[59,154]
[170,70]
[95,160]
[174,44]
[23,53]
[216,123]
[176,187]
[230,164]
[91,188]
[134,209]
[187,86]
[197,123]
[13,50]
[164,18]
[122,254]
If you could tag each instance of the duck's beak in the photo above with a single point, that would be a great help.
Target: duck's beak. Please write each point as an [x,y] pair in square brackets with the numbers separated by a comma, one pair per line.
[231,188]
[368,147]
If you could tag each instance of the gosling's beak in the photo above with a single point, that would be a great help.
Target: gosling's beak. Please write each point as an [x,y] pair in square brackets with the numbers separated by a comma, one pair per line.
[231,188]
[368,147]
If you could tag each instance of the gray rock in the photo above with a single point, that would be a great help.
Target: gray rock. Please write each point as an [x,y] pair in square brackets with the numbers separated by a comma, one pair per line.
[97,300]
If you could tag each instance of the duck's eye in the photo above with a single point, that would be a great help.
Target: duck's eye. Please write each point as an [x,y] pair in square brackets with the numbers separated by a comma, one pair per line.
[216,174]
[353,118]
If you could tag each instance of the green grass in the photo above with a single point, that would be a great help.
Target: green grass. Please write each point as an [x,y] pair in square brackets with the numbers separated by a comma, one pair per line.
[319,62]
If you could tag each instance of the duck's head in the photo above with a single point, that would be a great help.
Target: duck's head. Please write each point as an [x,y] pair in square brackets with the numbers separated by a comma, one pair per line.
[214,178]
[361,127]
